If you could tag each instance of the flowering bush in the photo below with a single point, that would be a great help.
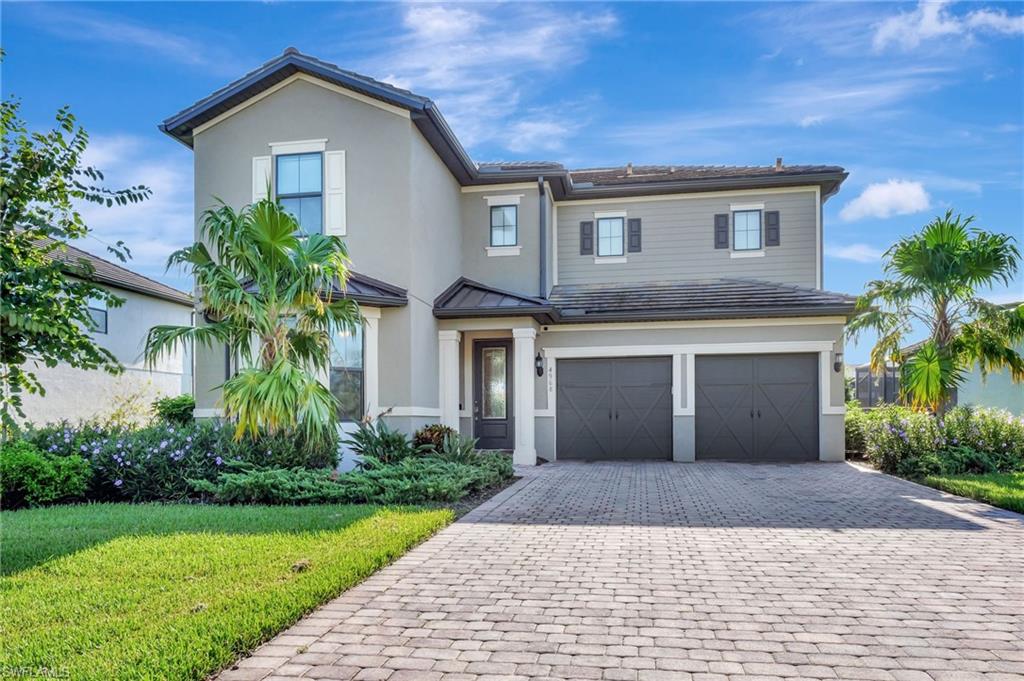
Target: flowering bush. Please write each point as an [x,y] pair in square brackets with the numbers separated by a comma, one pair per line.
[965,440]
[897,433]
[155,463]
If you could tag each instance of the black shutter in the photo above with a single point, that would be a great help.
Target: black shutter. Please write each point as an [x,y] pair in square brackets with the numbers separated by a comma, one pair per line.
[722,230]
[771,228]
[633,231]
[587,237]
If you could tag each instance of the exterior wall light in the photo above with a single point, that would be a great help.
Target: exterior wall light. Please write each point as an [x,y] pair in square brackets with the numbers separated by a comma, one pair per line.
[538,363]
[837,366]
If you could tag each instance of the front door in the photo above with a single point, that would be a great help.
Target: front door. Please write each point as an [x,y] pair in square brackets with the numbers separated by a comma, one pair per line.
[492,394]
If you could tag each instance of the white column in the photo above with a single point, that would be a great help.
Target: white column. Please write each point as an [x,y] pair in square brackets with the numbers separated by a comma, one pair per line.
[448,376]
[371,364]
[525,453]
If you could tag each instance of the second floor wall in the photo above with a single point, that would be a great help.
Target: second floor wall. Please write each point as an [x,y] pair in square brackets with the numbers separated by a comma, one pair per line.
[680,238]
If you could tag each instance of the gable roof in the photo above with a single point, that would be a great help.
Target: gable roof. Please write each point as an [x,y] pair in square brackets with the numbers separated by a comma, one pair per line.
[112,274]
[468,298]
[565,184]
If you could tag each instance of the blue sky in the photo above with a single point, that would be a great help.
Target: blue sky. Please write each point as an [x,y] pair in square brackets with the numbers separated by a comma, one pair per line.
[923,104]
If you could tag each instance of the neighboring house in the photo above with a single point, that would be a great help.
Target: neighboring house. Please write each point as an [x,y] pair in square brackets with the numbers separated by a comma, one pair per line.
[76,394]
[996,390]
[617,313]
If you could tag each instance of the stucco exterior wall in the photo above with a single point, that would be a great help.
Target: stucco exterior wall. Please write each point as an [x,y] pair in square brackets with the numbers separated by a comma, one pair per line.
[517,273]
[403,212]
[77,394]
[678,240]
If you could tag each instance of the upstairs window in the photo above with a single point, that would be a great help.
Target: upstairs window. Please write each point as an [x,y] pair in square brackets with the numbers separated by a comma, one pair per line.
[299,188]
[504,225]
[98,312]
[609,236]
[746,230]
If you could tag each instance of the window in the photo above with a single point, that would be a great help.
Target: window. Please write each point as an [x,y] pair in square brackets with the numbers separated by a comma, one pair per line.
[299,188]
[504,225]
[347,373]
[746,230]
[98,312]
[609,236]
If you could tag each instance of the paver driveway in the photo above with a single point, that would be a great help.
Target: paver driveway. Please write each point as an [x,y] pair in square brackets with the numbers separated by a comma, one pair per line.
[672,571]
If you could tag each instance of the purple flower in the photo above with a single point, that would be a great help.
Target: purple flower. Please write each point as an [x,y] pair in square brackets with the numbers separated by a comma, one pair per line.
[163,444]
[218,461]
[83,448]
[118,482]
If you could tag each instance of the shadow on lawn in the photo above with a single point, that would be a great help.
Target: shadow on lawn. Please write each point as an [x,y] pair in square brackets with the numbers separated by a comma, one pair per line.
[34,536]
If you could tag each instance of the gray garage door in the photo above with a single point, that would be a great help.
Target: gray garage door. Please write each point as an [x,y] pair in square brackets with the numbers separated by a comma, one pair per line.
[614,408]
[757,407]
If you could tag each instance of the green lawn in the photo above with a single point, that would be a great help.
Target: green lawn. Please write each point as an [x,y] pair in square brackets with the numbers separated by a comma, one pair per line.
[1005,490]
[178,592]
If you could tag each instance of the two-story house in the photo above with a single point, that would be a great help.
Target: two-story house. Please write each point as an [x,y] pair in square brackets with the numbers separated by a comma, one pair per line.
[635,312]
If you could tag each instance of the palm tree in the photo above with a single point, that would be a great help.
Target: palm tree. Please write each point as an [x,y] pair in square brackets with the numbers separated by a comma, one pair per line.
[933,280]
[269,295]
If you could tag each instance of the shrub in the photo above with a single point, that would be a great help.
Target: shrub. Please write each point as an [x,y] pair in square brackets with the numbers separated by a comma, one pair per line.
[177,410]
[417,480]
[33,478]
[857,423]
[156,463]
[896,433]
[377,443]
[993,431]
[433,435]
[250,485]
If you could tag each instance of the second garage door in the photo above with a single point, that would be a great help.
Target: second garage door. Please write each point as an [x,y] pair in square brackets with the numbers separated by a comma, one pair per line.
[614,408]
[757,407]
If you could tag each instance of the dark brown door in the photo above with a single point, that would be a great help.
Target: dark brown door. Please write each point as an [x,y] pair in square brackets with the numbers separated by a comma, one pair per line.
[757,407]
[614,408]
[493,423]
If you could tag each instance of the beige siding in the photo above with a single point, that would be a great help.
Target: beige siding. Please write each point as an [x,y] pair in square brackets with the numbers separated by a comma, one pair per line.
[678,241]
[518,273]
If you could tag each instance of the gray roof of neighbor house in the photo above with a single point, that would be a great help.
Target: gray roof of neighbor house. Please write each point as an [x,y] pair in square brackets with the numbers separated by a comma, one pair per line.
[566,185]
[112,274]
[646,301]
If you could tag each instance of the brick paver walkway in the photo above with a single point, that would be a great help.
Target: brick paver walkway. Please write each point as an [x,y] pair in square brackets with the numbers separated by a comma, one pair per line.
[685,571]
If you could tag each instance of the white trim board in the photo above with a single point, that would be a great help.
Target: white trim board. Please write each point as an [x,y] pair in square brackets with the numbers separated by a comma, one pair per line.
[308,79]
[497,187]
[502,251]
[298,147]
[766,347]
[503,200]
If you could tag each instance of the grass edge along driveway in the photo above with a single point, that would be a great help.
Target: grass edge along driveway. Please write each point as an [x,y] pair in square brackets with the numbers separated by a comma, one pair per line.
[1005,490]
[184,605]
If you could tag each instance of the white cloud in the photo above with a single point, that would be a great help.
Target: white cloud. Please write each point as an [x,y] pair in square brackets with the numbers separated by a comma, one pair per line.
[885,199]
[154,228]
[811,120]
[932,20]
[855,252]
[94,27]
[481,63]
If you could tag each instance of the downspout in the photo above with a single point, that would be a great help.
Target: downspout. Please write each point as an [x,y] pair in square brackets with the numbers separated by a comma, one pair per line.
[543,222]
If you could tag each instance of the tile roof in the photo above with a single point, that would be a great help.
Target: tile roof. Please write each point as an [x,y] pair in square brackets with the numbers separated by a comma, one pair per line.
[705,299]
[631,175]
[112,274]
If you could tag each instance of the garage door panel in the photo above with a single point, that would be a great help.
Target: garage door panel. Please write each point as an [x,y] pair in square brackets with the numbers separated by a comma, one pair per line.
[614,408]
[757,407]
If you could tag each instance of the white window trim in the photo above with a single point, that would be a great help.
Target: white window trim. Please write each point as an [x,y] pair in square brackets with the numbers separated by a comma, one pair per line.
[746,206]
[610,214]
[610,259]
[746,252]
[298,147]
[506,200]
[499,251]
